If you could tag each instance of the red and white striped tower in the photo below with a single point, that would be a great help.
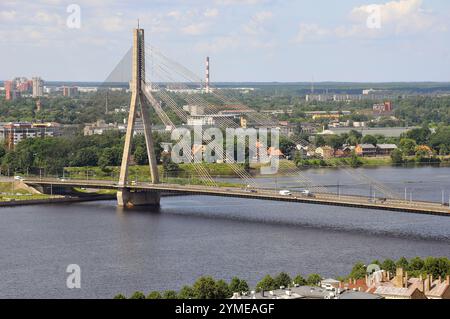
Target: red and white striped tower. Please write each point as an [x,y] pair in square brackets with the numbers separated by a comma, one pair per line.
[207,80]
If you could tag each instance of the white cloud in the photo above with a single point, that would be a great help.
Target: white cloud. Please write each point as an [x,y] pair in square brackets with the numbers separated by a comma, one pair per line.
[113,23]
[175,14]
[309,32]
[256,24]
[240,2]
[43,17]
[195,29]
[218,44]
[211,13]
[8,15]
[401,17]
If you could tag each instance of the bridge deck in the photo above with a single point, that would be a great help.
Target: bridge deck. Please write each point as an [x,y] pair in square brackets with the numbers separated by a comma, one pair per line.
[419,207]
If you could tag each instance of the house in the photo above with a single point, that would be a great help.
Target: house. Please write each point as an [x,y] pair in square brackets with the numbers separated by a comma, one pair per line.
[298,292]
[366,150]
[400,292]
[275,152]
[386,149]
[326,132]
[401,286]
[287,129]
[325,152]
[433,289]
[308,128]
[330,284]
[343,153]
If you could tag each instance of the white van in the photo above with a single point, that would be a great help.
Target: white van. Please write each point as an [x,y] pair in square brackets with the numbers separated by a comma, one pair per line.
[285,193]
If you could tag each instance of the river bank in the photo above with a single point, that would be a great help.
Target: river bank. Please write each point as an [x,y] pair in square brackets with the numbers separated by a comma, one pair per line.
[55,200]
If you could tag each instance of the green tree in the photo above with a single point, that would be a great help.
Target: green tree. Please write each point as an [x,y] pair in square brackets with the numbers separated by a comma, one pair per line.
[154,295]
[319,141]
[137,295]
[168,165]
[238,285]
[85,157]
[354,138]
[416,263]
[314,279]
[334,141]
[300,280]
[169,294]
[222,290]
[359,271]
[287,146]
[110,156]
[140,155]
[389,265]
[437,266]
[266,284]
[441,139]
[355,161]
[408,146]
[402,263]
[420,135]
[443,150]
[283,279]
[187,292]
[120,296]
[369,139]
[397,157]
[205,288]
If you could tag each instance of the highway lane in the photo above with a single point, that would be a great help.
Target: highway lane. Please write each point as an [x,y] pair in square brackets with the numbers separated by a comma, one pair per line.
[261,194]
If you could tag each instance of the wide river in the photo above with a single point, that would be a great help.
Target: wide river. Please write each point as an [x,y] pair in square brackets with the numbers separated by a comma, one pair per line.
[123,251]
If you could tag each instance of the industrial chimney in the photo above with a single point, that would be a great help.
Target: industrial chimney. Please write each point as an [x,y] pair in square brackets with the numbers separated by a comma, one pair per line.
[207,79]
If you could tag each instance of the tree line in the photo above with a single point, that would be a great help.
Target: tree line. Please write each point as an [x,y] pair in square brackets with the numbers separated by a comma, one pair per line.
[208,288]
[52,154]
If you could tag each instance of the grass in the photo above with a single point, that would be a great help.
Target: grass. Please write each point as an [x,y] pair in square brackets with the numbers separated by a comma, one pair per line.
[25,197]
[13,191]
[142,173]
[12,188]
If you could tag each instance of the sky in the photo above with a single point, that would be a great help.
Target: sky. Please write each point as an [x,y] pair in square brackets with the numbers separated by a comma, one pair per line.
[247,40]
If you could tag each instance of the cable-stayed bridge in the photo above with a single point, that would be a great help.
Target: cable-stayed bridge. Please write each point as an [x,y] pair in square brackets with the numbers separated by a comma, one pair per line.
[165,86]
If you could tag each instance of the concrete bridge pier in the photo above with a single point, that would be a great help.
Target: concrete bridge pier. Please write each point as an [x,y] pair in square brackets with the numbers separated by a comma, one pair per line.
[127,198]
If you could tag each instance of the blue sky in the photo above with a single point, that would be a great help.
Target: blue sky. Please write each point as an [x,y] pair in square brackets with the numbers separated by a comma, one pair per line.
[248,40]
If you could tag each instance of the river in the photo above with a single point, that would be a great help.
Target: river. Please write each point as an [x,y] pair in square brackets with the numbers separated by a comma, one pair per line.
[190,236]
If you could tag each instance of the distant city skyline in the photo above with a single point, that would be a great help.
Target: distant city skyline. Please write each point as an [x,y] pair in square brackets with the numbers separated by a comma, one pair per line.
[247,40]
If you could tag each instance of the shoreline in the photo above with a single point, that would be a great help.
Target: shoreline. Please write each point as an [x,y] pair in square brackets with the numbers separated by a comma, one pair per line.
[57,200]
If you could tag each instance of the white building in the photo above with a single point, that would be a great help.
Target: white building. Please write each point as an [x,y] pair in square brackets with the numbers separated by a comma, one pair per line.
[38,87]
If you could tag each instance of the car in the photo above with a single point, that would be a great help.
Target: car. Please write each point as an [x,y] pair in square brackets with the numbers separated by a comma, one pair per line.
[18,178]
[285,193]
[307,193]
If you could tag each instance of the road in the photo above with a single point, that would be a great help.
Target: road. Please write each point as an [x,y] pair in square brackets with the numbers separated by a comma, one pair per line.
[420,207]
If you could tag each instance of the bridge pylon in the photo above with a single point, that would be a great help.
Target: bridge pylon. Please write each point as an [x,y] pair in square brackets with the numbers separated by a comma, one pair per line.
[125,196]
